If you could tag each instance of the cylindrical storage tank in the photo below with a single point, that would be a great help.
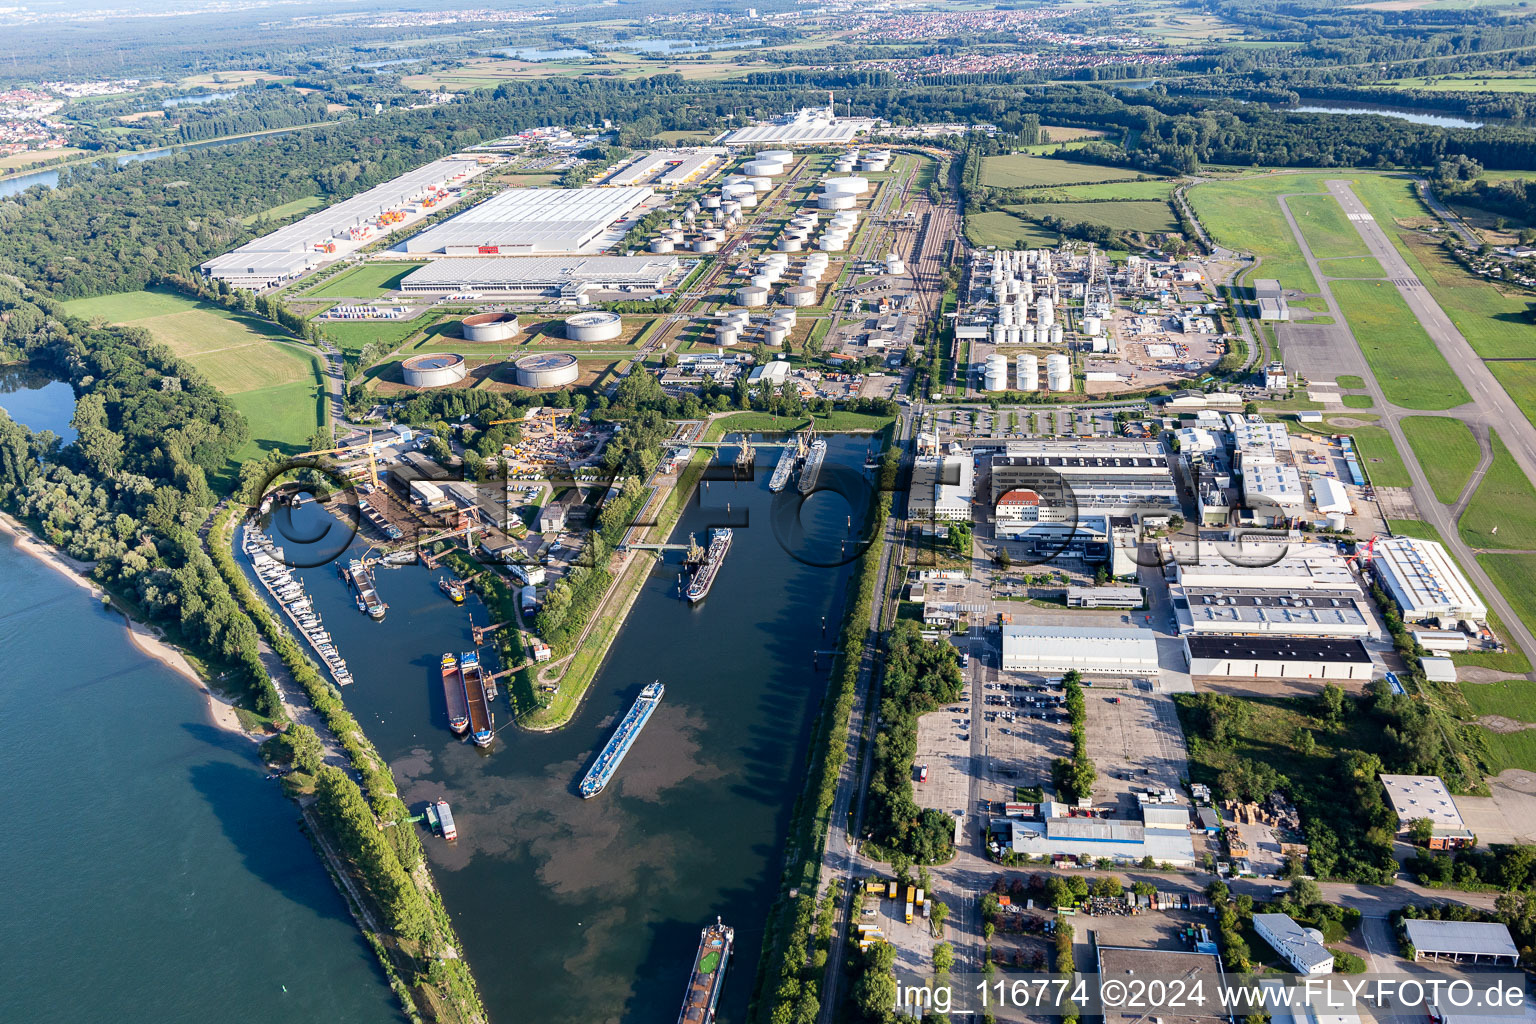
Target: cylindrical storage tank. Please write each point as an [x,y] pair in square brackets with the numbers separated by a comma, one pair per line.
[715,234]
[1005,315]
[1045,311]
[800,295]
[1028,366]
[760,184]
[1337,520]
[995,376]
[489,327]
[894,265]
[999,334]
[752,295]
[662,245]
[1027,334]
[727,335]
[774,335]
[837,202]
[832,243]
[789,244]
[705,245]
[1056,334]
[434,370]
[734,179]
[598,325]
[675,237]
[1092,325]
[1058,372]
[1015,336]
[762,281]
[747,200]
[783,156]
[783,316]
[851,185]
[809,279]
[711,202]
[763,168]
[548,369]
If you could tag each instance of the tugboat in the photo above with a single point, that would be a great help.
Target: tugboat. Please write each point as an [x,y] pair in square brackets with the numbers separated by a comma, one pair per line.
[454,588]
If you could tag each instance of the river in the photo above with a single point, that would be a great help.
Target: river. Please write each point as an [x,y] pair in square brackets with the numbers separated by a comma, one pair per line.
[150,869]
[574,910]
[1400,113]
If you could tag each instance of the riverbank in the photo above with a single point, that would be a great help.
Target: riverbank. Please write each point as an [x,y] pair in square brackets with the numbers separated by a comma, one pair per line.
[144,639]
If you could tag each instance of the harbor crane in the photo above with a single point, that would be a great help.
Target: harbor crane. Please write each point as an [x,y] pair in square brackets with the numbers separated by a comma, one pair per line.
[370,446]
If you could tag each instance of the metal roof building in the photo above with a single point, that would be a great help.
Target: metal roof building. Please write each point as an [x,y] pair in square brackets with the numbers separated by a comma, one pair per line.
[569,277]
[525,221]
[1256,610]
[941,487]
[1120,840]
[813,126]
[1478,942]
[1424,581]
[1092,649]
[1305,953]
[1422,796]
[1278,657]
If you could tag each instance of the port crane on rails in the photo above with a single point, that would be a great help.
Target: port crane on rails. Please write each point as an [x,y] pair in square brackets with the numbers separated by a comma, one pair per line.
[370,446]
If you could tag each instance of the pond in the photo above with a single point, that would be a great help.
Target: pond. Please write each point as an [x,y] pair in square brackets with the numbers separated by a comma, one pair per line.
[681,45]
[533,54]
[200,98]
[1402,114]
[37,401]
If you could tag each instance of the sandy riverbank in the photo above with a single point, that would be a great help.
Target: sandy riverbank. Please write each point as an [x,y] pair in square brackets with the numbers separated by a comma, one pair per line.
[141,636]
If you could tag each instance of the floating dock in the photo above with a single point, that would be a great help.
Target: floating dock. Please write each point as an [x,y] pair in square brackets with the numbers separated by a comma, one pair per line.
[623,738]
[283,587]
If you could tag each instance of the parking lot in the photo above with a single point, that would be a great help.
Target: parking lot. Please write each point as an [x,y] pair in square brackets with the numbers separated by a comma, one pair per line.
[1136,743]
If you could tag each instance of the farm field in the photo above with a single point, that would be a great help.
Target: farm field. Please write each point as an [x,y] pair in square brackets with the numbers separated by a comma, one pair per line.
[282,417]
[1148,217]
[366,281]
[1005,230]
[1470,81]
[234,351]
[1244,214]
[1446,450]
[1328,232]
[1352,266]
[1412,372]
[13,161]
[1022,170]
[1159,189]
[1506,502]
[286,210]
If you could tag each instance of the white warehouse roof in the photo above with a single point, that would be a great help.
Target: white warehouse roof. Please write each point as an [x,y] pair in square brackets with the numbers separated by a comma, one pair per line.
[1101,649]
[1424,581]
[534,220]
[1291,941]
[1460,938]
[1422,796]
[1329,495]
[525,273]
[810,127]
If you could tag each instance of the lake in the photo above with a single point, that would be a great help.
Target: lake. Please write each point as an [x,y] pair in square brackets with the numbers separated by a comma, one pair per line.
[665,46]
[577,910]
[37,401]
[1402,114]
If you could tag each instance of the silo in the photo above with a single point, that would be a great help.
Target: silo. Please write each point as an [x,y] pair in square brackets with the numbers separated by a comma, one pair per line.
[800,295]
[1014,336]
[1045,311]
[999,334]
[1058,372]
[752,295]
[1027,334]
[1005,315]
[995,376]
[1028,366]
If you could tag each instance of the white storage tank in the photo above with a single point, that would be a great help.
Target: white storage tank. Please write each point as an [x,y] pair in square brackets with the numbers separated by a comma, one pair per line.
[852,185]
[1027,334]
[434,370]
[1058,372]
[747,200]
[761,184]
[1092,325]
[752,295]
[762,281]
[662,245]
[995,373]
[1045,311]
[711,202]
[763,168]
[787,243]
[894,264]
[775,335]
[705,245]
[548,369]
[832,243]
[597,325]
[838,202]
[1056,334]
[800,295]
[1014,335]
[727,335]
[1028,367]
[490,327]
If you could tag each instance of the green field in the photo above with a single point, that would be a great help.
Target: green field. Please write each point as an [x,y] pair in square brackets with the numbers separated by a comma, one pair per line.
[281,417]
[1021,170]
[1006,231]
[1512,698]
[1511,749]
[1446,450]
[1519,380]
[1379,457]
[1353,266]
[352,335]
[1328,232]
[1506,502]
[1159,189]
[1468,81]
[1411,371]
[286,210]
[1349,380]
[1244,214]
[366,281]
[234,351]
[1146,216]
[1358,401]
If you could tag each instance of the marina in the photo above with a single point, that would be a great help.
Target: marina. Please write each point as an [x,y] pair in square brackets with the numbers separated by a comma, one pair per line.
[714,557]
[716,943]
[612,754]
[287,590]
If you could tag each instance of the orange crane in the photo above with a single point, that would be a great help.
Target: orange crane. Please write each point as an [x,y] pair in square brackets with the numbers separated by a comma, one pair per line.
[369,446]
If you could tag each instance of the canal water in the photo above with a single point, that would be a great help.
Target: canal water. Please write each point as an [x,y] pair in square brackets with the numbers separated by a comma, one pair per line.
[589,910]
[37,401]
[150,870]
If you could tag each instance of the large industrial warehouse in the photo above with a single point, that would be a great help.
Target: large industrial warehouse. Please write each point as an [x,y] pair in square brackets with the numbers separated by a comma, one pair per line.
[291,251]
[1424,581]
[526,221]
[1111,476]
[1093,649]
[813,126]
[1273,657]
[538,276]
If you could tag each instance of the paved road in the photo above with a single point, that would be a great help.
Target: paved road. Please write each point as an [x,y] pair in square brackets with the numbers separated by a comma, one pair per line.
[1444,213]
[1491,405]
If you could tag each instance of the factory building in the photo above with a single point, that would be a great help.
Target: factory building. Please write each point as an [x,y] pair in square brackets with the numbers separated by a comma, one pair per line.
[1463,942]
[571,278]
[1089,649]
[1197,970]
[941,488]
[1109,476]
[529,221]
[811,126]
[1253,611]
[669,168]
[1277,657]
[1415,797]
[1095,539]
[291,251]
[1302,947]
[1123,841]
[1291,568]
[1424,581]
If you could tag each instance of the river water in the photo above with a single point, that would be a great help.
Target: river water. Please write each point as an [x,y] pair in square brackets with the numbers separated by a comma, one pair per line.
[574,910]
[150,870]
